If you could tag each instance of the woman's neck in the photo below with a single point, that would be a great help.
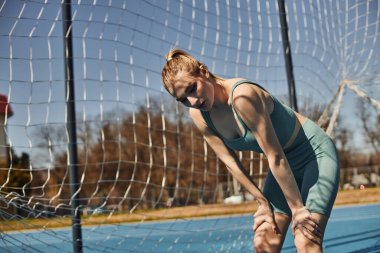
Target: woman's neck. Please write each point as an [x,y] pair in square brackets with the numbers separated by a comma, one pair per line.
[220,93]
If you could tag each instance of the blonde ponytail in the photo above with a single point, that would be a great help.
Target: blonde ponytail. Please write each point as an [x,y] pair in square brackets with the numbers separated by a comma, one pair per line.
[178,60]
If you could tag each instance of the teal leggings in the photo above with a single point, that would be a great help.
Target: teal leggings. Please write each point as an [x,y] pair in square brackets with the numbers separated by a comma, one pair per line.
[314,161]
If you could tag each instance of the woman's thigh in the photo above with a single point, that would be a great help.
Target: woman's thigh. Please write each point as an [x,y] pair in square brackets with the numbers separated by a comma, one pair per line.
[320,181]
[272,191]
[317,180]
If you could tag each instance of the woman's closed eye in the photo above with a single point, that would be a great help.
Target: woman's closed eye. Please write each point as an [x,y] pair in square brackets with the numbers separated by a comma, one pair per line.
[193,88]
[189,91]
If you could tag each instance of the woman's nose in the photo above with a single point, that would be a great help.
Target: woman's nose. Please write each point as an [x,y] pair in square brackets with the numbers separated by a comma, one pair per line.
[193,101]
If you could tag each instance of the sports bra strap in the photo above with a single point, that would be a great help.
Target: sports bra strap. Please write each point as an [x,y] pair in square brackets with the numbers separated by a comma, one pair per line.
[231,98]
[246,81]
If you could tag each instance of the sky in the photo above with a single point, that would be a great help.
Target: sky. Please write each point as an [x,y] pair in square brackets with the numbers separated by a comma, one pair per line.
[119,48]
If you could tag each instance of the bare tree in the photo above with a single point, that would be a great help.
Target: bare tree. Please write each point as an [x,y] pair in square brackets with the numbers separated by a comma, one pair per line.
[50,141]
[371,125]
[311,109]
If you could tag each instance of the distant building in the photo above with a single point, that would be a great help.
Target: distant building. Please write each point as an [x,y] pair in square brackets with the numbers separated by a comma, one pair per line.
[5,113]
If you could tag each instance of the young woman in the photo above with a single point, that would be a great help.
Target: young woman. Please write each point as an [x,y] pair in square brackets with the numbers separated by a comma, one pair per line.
[237,114]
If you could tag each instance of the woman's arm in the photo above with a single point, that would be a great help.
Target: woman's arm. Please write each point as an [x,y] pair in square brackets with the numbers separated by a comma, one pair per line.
[228,157]
[252,103]
[264,212]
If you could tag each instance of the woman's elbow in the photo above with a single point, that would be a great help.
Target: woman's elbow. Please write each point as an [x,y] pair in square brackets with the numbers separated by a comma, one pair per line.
[277,160]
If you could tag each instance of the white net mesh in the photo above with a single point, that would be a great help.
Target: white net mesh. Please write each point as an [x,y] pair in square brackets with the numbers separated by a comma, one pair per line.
[140,158]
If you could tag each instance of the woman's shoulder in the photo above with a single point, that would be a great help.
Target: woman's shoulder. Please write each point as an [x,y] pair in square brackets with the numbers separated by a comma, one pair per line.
[248,90]
[238,86]
[232,81]
[243,86]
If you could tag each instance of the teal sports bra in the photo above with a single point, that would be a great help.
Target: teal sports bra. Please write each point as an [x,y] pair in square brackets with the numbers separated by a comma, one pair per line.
[283,121]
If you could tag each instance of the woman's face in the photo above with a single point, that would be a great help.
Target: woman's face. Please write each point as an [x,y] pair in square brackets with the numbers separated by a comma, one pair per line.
[193,91]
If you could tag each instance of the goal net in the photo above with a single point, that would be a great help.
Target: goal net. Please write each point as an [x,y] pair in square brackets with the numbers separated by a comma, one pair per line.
[140,158]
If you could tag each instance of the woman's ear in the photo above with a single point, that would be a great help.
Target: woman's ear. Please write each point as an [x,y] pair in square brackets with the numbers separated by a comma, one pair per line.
[206,73]
[204,70]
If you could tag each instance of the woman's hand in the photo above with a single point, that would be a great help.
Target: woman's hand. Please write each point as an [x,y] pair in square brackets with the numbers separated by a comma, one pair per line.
[309,227]
[264,214]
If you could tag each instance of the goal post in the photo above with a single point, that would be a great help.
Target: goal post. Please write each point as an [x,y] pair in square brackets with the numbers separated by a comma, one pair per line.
[139,156]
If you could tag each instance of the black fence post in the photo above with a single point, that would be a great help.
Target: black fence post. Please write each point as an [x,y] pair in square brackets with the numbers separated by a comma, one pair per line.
[71,125]
[288,56]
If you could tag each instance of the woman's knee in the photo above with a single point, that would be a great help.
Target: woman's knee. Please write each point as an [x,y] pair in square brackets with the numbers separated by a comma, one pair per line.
[304,244]
[265,241]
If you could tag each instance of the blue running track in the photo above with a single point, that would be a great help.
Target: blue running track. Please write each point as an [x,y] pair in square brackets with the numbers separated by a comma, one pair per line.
[351,229]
